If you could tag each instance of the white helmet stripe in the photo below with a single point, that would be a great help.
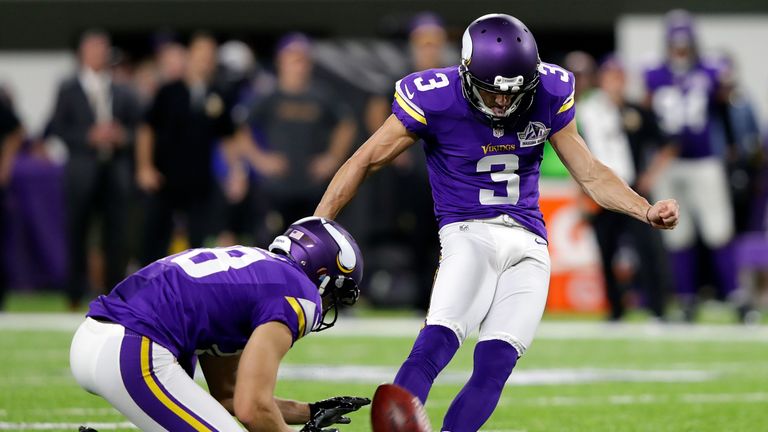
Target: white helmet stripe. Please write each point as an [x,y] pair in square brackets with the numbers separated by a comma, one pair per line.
[347,256]
[466,47]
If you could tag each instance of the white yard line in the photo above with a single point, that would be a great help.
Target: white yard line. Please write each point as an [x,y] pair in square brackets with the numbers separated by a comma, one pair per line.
[621,399]
[409,327]
[65,426]
[89,412]
[361,374]
[378,374]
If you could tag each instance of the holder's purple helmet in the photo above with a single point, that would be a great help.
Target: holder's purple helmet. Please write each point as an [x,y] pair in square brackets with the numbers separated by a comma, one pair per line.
[329,256]
[499,55]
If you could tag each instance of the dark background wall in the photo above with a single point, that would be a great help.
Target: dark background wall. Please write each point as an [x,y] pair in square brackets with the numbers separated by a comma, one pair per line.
[47,24]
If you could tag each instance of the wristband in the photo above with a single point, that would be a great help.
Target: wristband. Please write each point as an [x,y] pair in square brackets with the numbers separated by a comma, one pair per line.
[646,218]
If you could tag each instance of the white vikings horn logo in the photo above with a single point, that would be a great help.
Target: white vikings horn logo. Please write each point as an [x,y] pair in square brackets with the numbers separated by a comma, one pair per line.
[346,258]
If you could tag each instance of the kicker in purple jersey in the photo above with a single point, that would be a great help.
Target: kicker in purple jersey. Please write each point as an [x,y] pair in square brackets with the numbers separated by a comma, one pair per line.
[476,171]
[684,104]
[211,300]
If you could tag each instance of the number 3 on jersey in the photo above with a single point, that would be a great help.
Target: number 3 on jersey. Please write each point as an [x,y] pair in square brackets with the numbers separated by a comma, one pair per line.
[439,81]
[510,163]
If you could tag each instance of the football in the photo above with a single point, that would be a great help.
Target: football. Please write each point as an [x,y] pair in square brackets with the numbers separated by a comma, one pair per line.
[395,409]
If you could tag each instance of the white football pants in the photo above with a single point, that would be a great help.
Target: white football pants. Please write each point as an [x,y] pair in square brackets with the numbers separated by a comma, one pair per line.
[700,187]
[493,274]
[143,380]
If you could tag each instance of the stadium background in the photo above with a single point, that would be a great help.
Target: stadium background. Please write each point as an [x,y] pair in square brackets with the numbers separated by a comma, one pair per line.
[582,374]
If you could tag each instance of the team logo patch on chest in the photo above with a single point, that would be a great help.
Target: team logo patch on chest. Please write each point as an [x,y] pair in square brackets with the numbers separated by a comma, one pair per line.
[533,134]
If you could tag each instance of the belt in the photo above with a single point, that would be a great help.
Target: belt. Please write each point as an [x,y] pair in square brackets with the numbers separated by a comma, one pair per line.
[504,219]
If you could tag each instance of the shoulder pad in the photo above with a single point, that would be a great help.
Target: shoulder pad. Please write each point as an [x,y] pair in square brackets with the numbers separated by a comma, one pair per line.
[429,90]
[556,80]
[558,84]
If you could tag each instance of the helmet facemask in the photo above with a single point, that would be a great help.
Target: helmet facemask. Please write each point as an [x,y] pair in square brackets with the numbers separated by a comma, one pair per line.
[336,292]
[522,93]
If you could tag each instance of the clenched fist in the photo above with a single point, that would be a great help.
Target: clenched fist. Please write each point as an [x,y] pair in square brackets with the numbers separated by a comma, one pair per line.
[664,214]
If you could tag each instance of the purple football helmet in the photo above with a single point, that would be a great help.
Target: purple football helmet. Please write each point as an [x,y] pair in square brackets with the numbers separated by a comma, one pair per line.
[499,55]
[329,256]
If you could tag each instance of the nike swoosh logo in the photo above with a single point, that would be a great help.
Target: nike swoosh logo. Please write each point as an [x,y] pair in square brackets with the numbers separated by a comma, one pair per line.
[540,241]
[408,92]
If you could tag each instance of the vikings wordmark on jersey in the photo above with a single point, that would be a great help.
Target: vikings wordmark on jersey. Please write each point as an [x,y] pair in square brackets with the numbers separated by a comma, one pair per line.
[477,169]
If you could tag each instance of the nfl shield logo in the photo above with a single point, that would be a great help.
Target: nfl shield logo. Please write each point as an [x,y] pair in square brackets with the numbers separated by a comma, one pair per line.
[498,132]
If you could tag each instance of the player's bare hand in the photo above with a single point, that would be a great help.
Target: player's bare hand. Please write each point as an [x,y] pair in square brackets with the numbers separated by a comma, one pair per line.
[149,179]
[664,214]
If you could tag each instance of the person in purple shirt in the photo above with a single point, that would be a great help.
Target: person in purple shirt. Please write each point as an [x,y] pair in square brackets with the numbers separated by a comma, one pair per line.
[236,309]
[483,123]
[686,94]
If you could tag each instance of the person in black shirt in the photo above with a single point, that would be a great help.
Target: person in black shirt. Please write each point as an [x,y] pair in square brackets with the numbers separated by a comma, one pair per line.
[11,135]
[308,132]
[626,138]
[173,154]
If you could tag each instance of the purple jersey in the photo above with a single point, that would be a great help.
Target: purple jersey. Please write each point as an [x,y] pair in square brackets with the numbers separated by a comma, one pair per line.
[477,171]
[684,105]
[211,300]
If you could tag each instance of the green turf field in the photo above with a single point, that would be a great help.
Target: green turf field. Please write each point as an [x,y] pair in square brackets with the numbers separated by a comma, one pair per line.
[578,376]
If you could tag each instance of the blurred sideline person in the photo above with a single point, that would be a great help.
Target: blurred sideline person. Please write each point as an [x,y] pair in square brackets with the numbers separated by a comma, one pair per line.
[484,123]
[405,221]
[685,94]
[96,118]
[243,309]
[171,58]
[173,153]
[746,161]
[624,136]
[307,132]
[584,70]
[11,139]
[246,207]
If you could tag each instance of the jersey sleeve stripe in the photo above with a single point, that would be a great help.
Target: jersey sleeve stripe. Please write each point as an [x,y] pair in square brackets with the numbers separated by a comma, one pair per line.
[566,105]
[299,314]
[406,99]
[309,312]
[418,117]
[149,379]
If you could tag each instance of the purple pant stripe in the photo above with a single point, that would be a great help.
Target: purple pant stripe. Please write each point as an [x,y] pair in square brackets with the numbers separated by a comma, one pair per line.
[171,397]
[133,379]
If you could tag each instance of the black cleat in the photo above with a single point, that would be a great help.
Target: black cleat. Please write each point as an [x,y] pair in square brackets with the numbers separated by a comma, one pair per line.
[86,429]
